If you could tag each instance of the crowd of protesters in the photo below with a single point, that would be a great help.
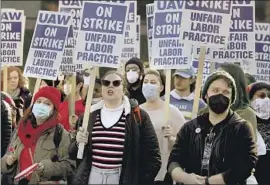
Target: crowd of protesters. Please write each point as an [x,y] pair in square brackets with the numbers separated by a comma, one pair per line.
[127,140]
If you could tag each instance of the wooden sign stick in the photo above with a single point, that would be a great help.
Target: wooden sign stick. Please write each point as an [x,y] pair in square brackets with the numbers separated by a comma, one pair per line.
[198,82]
[165,144]
[167,95]
[72,97]
[37,85]
[5,79]
[87,108]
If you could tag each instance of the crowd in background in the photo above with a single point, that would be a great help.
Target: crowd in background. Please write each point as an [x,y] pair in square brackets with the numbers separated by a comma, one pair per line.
[127,141]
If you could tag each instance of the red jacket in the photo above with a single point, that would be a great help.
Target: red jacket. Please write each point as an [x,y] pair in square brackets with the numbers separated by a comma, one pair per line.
[64,113]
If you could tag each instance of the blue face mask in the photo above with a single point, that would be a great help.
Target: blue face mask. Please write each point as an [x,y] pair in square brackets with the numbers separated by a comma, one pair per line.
[41,111]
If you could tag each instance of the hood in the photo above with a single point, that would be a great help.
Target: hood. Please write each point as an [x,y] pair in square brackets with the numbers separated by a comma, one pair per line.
[176,96]
[128,104]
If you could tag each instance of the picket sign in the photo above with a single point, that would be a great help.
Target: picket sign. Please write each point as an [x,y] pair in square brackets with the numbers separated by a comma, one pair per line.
[87,111]
[5,78]
[212,66]
[198,82]
[37,85]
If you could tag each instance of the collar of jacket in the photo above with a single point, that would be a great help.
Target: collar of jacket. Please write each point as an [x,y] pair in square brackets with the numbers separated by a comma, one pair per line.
[126,103]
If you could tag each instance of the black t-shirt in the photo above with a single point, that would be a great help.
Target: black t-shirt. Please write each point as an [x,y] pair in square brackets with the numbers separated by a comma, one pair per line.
[208,137]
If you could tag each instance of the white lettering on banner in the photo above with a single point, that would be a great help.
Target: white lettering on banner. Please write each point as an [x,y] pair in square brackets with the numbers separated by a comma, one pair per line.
[169,5]
[6,26]
[12,28]
[72,2]
[53,19]
[48,43]
[10,36]
[111,25]
[217,4]
[47,47]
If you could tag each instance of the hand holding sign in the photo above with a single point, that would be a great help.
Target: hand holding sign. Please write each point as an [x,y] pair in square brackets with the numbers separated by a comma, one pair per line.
[10,159]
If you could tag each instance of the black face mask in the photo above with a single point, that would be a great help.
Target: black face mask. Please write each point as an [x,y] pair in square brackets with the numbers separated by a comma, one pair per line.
[219,103]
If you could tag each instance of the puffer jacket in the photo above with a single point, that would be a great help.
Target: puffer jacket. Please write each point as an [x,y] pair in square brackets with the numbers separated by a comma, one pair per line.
[233,152]
[141,158]
[45,153]
[6,126]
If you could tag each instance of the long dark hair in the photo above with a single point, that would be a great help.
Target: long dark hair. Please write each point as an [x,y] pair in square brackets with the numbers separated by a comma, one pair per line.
[242,99]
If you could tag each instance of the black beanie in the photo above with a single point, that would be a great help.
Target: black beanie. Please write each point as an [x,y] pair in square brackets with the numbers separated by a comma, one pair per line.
[252,88]
[52,83]
[136,61]
[215,76]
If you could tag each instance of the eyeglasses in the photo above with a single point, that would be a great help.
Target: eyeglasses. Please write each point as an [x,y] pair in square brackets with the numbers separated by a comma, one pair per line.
[116,83]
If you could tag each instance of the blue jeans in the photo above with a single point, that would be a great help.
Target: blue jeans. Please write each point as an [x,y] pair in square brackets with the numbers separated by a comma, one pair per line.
[104,176]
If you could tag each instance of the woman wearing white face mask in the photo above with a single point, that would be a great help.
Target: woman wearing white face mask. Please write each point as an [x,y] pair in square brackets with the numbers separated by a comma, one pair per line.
[259,94]
[155,107]
[34,143]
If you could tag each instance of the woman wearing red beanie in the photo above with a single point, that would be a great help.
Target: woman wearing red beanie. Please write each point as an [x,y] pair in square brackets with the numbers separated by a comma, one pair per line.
[39,140]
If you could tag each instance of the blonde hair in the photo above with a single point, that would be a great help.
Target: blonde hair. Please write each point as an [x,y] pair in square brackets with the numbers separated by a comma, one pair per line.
[156,73]
[124,82]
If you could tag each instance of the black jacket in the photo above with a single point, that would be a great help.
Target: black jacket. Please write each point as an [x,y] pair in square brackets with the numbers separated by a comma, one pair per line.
[136,94]
[141,159]
[6,126]
[233,152]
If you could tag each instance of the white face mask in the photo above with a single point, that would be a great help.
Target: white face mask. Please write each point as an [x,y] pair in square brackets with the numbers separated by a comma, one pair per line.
[262,107]
[150,91]
[132,76]
[67,89]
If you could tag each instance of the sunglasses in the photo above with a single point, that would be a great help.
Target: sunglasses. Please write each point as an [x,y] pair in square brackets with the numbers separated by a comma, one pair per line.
[116,83]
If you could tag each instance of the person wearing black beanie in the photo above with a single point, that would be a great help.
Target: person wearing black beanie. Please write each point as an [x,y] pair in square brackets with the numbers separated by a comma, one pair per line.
[217,147]
[134,75]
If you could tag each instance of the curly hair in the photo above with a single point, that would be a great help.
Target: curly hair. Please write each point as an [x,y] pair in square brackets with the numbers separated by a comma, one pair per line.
[10,69]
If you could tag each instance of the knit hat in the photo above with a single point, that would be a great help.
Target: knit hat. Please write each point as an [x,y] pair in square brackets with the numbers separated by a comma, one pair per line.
[51,93]
[215,76]
[252,88]
[136,61]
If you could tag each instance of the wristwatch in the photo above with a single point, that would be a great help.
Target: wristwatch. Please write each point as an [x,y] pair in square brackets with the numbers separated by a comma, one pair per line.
[207,181]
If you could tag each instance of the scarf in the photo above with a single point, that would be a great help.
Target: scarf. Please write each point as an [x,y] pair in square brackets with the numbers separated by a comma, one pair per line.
[14,94]
[29,135]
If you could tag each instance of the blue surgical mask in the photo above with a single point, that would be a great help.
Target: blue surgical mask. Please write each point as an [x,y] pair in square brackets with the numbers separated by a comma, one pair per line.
[41,111]
[150,91]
